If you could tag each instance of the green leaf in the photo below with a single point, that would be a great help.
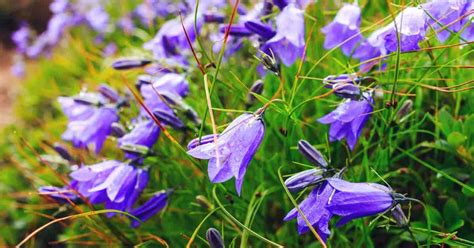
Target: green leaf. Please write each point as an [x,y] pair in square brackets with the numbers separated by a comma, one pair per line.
[435,217]
[456,139]
[452,215]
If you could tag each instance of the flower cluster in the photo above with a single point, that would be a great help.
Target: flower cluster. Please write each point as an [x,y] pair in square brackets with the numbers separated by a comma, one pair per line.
[333,196]
[403,34]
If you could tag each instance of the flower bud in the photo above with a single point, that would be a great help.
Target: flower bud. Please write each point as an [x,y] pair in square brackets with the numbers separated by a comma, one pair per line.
[263,30]
[378,93]
[108,92]
[270,63]
[311,154]
[303,179]
[257,88]
[62,151]
[204,140]
[168,118]
[347,90]
[214,18]
[125,64]
[237,30]
[87,100]
[331,80]
[399,216]
[134,148]
[118,130]
[204,202]
[404,110]
[214,238]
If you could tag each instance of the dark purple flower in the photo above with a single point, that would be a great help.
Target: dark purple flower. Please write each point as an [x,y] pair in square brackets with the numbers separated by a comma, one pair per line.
[214,238]
[303,179]
[288,43]
[91,131]
[314,209]
[445,13]
[312,154]
[62,151]
[263,30]
[145,133]
[234,150]
[62,195]
[344,28]
[154,205]
[212,17]
[115,184]
[348,119]
[238,30]
[356,200]
[125,64]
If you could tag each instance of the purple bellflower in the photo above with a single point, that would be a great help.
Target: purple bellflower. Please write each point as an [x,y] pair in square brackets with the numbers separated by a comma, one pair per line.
[235,147]
[288,43]
[356,200]
[61,195]
[445,13]
[115,184]
[145,133]
[468,23]
[411,25]
[313,208]
[98,19]
[22,38]
[344,29]
[154,205]
[303,179]
[348,119]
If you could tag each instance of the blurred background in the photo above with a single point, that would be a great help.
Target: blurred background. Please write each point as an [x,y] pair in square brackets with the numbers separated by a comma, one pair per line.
[12,13]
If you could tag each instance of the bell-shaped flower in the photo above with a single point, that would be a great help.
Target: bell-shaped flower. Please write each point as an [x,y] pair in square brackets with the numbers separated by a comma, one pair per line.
[154,205]
[356,200]
[444,16]
[411,26]
[348,119]
[115,184]
[288,43]
[230,153]
[144,133]
[468,23]
[314,209]
[344,29]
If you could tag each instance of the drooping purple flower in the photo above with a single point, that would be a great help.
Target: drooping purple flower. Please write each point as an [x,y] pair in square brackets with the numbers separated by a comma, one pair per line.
[372,47]
[115,184]
[214,238]
[344,29]
[348,119]
[468,23]
[356,200]
[145,133]
[314,209]
[93,130]
[288,43]
[154,205]
[445,13]
[233,151]
[411,26]
[62,195]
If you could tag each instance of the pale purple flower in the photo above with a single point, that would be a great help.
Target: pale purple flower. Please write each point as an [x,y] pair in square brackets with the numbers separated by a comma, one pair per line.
[468,23]
[372,47]
[18,68]
[92,131]
[110,49]
[445,13]
[59,6]
[314,209]
[356,200]
[22,37]
[344,29]
[411,25]
[144,133]
[115,184]
[61,195]
[127,25]
[154,205]
[233,151]
[288,43]
[348,119]
[98,19]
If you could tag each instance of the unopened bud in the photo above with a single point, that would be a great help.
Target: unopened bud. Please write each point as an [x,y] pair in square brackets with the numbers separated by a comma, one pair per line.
[62,151]
[311,154]
[399,216]
[125,64]
[168,118]
[204,140]
[204,202]
[118,130]
[214,238]
[135,149]
[347,90]
[257,88]
[303,179]
[214,18]
[108,92]
[270,63]
[404,110]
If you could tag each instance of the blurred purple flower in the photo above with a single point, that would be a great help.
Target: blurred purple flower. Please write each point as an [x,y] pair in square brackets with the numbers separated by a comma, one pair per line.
[22,37]
[344,28]
[126,24]
[288,43]
[356,200]
[234,150]
[154,205]
[115,184]
[314,209]
[98,19]
[110,49]
[18,68]
[145,133]
[348,119]
[61,195]
[468,22]
[411,25]
[445,13]
[59,6]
